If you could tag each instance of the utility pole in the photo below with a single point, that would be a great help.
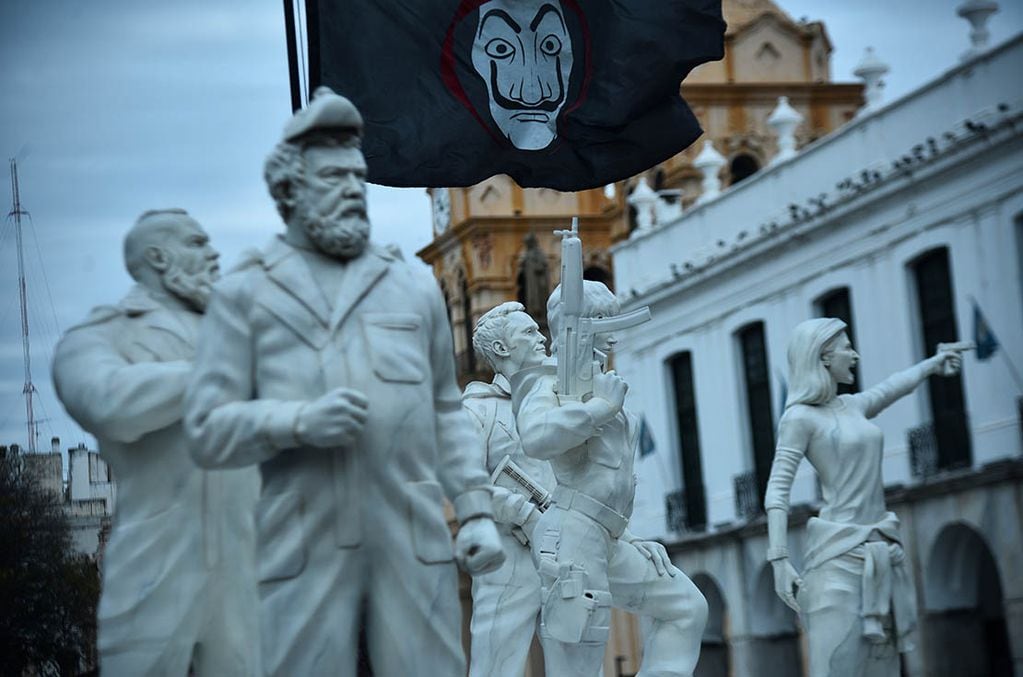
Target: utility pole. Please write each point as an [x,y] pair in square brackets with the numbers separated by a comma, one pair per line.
[29,389]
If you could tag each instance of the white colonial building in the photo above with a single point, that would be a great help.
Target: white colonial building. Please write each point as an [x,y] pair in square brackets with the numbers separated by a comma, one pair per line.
[903,222]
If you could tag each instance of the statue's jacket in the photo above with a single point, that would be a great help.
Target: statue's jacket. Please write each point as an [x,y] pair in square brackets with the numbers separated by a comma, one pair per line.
[270,343]
[122,375]
[490,406]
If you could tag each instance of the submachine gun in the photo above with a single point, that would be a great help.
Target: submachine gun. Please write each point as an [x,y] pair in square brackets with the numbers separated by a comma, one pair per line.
[577,360]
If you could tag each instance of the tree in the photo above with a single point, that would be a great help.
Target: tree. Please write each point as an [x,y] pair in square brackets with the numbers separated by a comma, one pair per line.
[48,593]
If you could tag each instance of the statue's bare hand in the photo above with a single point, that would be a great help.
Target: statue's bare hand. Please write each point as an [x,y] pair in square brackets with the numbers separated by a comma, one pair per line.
[610,388]
[510,507]
[478,547]
[656,553]
[786,582]
[332,420]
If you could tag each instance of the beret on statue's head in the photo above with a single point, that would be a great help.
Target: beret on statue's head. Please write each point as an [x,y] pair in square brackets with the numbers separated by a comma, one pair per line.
[326,112]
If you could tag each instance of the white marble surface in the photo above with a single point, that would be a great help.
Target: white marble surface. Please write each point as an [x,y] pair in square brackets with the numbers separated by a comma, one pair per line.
[179,582]
[328,361]
[856,595]
[586,558]
[506,602]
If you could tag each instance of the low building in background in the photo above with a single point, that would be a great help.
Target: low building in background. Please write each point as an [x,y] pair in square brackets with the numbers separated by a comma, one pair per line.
[88,494]
[907,223]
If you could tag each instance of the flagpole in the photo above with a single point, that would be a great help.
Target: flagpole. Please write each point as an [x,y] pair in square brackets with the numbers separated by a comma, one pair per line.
[292,42]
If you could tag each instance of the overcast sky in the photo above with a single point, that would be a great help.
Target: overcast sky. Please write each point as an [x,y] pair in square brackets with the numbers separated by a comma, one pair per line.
[113,107]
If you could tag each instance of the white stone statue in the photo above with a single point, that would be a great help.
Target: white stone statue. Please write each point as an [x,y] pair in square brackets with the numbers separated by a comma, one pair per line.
[179,582]
[328,362]
[506,602]
[587,559]
[856,594]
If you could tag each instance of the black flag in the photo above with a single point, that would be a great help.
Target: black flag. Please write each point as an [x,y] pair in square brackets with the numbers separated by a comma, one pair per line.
[563,94]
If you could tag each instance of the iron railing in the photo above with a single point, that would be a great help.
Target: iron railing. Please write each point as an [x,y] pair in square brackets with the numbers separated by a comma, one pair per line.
[747,498]
[923,450]
[675,511]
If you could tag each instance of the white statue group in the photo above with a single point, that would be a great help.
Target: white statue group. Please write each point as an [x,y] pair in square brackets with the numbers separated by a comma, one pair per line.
[283,441]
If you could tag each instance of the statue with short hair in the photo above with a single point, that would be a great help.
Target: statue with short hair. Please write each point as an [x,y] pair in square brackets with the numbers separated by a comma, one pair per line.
[506,602]
[856,596]
[179,581]
[327,362]
[587,559]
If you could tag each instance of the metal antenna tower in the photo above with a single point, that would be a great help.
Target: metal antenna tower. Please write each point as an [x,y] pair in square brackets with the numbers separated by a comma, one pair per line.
[29,390]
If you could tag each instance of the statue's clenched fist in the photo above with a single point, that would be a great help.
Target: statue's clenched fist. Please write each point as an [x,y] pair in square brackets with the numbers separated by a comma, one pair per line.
[332,420]
[478,547]
[608,396]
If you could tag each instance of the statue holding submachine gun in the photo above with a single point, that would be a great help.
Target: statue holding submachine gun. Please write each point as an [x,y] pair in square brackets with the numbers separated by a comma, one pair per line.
[572,413]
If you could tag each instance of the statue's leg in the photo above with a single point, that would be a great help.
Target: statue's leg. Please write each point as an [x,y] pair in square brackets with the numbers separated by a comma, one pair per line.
[831,600]
[228,645]
[157,636]
[505,609]
[676,606]
[571,552]
[310,622]
[413,618]
[147,658]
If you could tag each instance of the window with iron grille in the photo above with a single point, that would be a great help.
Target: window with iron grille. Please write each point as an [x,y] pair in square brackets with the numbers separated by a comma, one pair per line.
[681,366]
[837,303]
[675,510]
[748,503]
[936,308]
[758,402]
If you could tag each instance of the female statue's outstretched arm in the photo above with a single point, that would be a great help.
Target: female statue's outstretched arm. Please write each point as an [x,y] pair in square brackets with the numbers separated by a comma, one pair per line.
[875,400]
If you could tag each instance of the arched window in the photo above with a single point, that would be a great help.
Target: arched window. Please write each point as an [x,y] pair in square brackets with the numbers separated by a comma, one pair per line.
[659,177]
[469,359]
[965,605]
[598,274]
[743,166]
[714,661]
[533,281]
[447,306]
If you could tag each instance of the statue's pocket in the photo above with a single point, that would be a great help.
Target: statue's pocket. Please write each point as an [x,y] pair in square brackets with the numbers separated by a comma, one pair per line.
[431,539]
[281,537]
[397,351]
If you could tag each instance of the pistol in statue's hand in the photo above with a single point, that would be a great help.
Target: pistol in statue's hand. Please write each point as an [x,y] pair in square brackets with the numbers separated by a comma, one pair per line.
[950,356]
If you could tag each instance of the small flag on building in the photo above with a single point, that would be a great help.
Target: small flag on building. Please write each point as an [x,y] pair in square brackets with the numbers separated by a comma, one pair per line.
[646,440]
[985,339]
[562,94]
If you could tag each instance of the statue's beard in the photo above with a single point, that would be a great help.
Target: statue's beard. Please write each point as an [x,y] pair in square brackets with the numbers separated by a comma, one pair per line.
[194,288]
[341,237]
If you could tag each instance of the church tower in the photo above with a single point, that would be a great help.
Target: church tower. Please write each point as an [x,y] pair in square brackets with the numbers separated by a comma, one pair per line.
[494,241]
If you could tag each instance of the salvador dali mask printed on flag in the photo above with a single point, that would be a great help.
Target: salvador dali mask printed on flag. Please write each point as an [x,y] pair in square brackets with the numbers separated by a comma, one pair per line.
[563,94]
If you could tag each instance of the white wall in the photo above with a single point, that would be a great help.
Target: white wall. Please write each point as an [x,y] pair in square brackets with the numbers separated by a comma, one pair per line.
[964,196]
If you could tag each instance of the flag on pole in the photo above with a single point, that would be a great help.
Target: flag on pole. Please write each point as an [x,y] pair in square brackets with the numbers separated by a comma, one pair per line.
[563,94]
[985,339]
[646,440]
